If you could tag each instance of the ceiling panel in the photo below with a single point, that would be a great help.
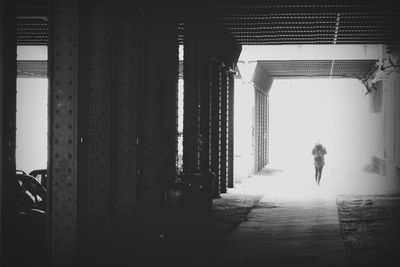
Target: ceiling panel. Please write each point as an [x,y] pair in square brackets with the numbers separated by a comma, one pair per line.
[272,22]
[358,69]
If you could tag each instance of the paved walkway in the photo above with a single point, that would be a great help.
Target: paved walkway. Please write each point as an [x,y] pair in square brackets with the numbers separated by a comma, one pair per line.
[288,233]
[295,224]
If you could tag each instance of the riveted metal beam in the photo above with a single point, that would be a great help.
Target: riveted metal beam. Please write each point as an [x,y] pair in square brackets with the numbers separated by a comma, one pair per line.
[256,133]
[125,83]
[224,130]
[98,137]
[205,113]
[261,131]
[2,10]
[8,242]
[160,88]
[63,133]
[191,113]
[267,150]
[215,127]
[231,95]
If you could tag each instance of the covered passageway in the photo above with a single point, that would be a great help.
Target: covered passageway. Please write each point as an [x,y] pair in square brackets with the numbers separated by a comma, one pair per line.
[112,191]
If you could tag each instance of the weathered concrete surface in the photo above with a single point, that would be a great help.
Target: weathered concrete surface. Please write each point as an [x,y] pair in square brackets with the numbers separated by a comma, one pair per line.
[370,228]
[297,222]
[288,233]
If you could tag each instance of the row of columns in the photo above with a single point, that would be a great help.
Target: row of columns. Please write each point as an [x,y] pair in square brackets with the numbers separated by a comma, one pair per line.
[113,124]
[113,108]
[208,95]
[113,86]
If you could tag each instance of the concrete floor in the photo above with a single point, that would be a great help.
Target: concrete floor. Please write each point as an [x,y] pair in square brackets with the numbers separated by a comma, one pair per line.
[282,218]
[296,223]
[288,233]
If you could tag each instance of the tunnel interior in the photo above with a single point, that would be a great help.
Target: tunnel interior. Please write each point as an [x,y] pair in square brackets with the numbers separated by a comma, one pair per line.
[141,142]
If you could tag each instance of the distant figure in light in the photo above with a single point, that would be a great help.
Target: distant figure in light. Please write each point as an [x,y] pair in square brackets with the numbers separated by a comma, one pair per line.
[319,153]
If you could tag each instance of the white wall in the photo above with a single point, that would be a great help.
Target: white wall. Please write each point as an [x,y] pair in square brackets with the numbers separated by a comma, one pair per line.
[392,123]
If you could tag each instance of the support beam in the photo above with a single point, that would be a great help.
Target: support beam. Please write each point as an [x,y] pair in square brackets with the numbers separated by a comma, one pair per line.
[205,112]
[215,125]
[124,58]
[63,133]
[268,134]
[224,130]
[97,190]
[191,113]
[160,89]
[2,43]
[8,242]
[231,97]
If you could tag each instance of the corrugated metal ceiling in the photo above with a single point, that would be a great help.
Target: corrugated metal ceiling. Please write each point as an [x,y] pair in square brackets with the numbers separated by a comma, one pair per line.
[278,22]
[312,24]
[359,69]
[269,22]
[32,22]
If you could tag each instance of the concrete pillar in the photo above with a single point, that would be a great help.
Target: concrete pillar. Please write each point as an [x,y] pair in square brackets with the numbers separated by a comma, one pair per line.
[391,109]
[8,242]
[63,133]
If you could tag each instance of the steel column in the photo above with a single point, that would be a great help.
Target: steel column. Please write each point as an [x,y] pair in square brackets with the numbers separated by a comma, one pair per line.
[8,242]
[63,138]
[215,130]
[257,131]
[160,88]
[205,113]
[231,96]
[124,82]
[261,137]
[98,139]
[267,152]
[224,130]
[191,112]
[2,44]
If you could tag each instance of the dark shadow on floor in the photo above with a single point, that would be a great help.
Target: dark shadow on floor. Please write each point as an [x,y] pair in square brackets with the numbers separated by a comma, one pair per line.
[193,240]
[370,226]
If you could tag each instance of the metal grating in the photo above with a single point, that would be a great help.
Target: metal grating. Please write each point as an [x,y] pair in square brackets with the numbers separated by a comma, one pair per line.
[278,22]
[359,69]
[270,22]
[32,22]
[32,68]
[32,31]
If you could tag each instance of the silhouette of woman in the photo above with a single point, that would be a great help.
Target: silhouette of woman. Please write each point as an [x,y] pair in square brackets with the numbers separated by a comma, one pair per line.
[319,153]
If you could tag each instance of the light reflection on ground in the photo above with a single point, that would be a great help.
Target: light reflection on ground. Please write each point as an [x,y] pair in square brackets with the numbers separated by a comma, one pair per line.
[300,184]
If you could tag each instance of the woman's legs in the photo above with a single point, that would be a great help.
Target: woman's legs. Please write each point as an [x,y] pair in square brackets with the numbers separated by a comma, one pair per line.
[319,174]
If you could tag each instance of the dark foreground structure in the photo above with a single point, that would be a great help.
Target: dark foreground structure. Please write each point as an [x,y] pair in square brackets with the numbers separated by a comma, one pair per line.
[113,187]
